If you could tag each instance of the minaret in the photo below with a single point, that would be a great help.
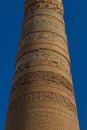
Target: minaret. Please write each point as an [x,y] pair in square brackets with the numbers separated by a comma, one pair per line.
[42,95]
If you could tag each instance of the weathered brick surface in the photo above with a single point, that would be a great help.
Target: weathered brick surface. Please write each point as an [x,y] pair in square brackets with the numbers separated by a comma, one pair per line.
[42,95]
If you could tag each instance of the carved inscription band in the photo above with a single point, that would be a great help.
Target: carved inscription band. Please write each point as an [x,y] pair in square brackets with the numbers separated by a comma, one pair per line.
[42,96]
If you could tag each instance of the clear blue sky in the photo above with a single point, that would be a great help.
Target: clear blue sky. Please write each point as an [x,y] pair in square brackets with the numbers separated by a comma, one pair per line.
[11,17]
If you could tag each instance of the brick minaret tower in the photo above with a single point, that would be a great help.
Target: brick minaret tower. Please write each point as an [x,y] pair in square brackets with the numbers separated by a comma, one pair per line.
[42,96]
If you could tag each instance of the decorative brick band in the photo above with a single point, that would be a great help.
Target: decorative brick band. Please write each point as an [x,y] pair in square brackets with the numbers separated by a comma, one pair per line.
[43,34]
[41,96]
[43,26]
[44,18]
[57,19]
[26,50]
[46,76]
[45,12]
[32,2]
[44,4]
[43,57]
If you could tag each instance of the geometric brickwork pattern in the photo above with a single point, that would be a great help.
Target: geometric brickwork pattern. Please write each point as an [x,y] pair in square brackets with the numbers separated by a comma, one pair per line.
[42,95]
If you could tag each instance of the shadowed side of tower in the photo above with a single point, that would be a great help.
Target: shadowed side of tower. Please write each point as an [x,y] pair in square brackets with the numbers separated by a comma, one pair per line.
[42,96]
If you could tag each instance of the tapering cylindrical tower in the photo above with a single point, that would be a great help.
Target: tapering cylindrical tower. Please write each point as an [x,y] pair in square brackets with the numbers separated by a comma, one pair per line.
[42,96]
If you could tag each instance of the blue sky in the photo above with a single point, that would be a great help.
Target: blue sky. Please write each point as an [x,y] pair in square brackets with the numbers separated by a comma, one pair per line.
[11,17]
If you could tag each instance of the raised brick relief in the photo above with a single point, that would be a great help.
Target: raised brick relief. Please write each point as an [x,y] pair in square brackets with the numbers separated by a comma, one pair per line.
[48,9]
[42,27]
[45,18]
[44,4]
[45,37]
[46,120]
[34,77]
[43,57]
[37,12]
[41,96]
[32,2]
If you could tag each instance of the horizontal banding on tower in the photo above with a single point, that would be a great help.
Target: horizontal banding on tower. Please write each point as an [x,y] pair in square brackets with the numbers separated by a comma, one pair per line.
[29,4]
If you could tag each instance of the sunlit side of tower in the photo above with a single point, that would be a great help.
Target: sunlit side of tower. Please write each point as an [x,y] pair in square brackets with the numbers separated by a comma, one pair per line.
[42,95]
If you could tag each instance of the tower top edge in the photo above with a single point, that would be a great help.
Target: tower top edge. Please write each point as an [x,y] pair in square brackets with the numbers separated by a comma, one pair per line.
[60,1]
